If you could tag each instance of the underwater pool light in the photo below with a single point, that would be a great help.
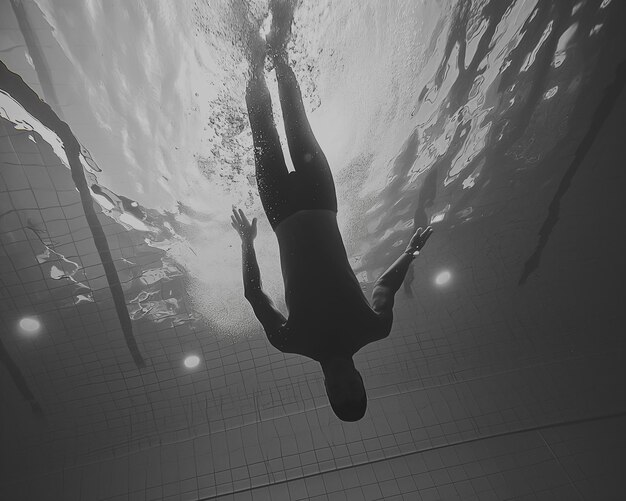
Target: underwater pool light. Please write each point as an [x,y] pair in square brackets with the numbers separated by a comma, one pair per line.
[443,277]
[30,325]
[192,361]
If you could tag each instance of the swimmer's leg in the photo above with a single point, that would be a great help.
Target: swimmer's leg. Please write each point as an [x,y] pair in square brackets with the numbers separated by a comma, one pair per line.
[307,155]
[271,170]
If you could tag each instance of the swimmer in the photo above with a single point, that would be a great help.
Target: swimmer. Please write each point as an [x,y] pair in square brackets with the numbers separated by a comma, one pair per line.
[330,319]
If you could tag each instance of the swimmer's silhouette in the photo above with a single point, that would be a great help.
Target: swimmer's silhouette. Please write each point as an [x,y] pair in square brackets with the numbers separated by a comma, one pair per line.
[329,317]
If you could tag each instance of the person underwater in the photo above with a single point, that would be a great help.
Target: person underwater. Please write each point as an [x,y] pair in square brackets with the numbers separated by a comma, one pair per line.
[330,318]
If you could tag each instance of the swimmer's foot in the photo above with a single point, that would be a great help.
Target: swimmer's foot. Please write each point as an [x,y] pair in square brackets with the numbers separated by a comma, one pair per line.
[280,31]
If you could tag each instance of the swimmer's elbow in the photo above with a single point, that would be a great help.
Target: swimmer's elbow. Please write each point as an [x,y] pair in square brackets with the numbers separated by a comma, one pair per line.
[382,300]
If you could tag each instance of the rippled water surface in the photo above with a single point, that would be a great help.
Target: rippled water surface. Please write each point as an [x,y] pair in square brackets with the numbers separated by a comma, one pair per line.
[427,111]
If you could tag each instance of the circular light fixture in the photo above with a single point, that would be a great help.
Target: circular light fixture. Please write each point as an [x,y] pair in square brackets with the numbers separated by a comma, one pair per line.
[30,325]
[443,277]
[192,361]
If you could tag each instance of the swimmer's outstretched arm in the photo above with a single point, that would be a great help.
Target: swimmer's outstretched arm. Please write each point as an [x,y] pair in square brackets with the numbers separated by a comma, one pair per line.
[247,231]
[389,282]
[263,307]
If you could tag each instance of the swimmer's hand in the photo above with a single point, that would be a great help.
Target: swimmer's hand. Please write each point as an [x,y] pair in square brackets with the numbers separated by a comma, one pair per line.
[240,222]
[418,240]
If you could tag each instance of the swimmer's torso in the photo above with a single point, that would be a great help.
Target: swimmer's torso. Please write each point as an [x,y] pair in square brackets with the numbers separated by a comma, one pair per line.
[328,312]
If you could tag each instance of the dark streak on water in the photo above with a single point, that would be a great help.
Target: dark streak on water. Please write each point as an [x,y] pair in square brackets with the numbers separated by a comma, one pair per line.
[514,127]
[39,59]
[28,99]
[611,95]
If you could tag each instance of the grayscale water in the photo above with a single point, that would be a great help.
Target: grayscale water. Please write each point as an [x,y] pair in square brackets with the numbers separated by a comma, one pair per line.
[500,123]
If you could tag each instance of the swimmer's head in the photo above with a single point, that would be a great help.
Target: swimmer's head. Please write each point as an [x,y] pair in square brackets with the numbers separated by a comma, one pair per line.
[345,389]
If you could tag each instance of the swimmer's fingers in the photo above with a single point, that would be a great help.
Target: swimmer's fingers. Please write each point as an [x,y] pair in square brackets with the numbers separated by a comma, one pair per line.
[413,243]
[240,222]
[240,218]
[423,237]
[235,216]
[235,225]
[419,238]
[426,234]
[243,218]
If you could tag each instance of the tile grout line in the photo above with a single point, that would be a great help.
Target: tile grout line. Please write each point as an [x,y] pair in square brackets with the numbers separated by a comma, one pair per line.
[571,481]
[433,448]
